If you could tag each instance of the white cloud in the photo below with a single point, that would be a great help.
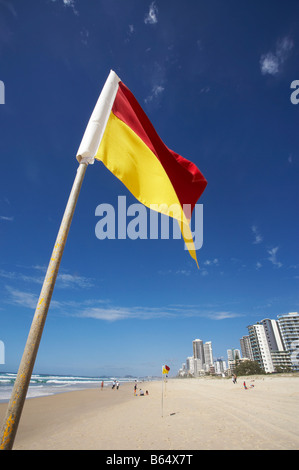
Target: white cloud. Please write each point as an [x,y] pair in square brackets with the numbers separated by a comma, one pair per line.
[3,217]
[273,257]
[70,4]
[284,46]
[156,92]
[152,15]
[64,280]
[257,236]
[70,281]
[102,310]
[212,262]
[122,313]
[271,63]
[25,299]
[258,265]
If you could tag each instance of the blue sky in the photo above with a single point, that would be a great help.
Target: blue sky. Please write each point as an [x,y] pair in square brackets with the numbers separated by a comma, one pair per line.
[214,78]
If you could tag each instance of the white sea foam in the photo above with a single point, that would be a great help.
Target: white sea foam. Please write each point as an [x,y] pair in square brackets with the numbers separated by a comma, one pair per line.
[43,385]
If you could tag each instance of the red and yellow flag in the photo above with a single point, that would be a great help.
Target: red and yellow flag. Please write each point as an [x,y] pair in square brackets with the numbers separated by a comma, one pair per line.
[165,369]
[131,149]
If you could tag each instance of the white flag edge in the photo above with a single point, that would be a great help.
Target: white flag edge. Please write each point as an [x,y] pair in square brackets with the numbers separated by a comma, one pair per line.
[98,120]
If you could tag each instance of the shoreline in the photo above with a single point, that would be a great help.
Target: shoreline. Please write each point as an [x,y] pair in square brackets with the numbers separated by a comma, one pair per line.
[197,414]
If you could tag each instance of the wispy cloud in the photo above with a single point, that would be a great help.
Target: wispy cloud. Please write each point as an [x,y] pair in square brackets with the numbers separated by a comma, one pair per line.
[18,297]
[272,62]
[152,15]
[208,264]
[155,94]
[214,262]
[257,236]
[73,280]
[142,313]
[4,217]
[67,307]
[102,309]
[273,257]
[63,281]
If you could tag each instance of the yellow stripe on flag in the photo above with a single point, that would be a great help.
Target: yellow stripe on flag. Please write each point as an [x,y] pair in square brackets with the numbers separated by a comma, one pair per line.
[133,162]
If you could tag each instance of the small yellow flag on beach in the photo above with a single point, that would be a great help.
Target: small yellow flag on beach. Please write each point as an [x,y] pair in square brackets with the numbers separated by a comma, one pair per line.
[165,369]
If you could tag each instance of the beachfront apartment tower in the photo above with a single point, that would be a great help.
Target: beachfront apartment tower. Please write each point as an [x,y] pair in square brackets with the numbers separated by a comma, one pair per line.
[220,366]
[198,354]
[273,334]
[190,364]
[208,355]
[289,328]
[260,347]
[246,348]
[233,354]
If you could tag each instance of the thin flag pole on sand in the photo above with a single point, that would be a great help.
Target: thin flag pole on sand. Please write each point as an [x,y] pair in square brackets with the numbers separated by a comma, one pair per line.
[22,381]
[162,393]
[165,370]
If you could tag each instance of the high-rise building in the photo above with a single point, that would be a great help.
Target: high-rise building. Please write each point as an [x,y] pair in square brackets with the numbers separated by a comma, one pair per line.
[198,354]
[220,366]
[260,347]
[233,354]
[246,347]
[208,355]
[289,328]
[273,334]
[190,364]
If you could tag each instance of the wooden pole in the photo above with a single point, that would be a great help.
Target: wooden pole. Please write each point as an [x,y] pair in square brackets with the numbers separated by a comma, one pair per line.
[22,381]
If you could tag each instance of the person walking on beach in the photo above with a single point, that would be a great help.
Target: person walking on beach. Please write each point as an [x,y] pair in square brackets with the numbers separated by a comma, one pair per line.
[135,388]
[113,385]
[102,385]
[117,385]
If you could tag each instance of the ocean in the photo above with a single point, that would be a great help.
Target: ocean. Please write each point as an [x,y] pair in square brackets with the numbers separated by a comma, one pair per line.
[43,384]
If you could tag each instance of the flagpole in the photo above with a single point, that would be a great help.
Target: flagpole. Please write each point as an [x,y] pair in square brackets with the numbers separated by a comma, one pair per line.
[162,392]
[22,381]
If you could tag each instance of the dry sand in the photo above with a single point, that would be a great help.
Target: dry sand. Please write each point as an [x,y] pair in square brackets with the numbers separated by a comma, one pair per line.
[198,414]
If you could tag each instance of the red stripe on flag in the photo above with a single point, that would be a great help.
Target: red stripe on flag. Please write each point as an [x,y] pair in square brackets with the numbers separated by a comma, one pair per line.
[187,180]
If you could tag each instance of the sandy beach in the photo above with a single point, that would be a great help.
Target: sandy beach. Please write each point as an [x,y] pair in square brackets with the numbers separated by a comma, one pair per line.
[198,414]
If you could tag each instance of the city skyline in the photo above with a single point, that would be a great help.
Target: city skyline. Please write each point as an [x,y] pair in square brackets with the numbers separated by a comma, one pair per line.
[272,343]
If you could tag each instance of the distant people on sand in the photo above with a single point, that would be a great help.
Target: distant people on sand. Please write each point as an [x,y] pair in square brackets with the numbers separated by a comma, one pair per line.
[102,385]
[117,385]
[114,384]
[245,386]
[141,392]
[234,379]
[135,388]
